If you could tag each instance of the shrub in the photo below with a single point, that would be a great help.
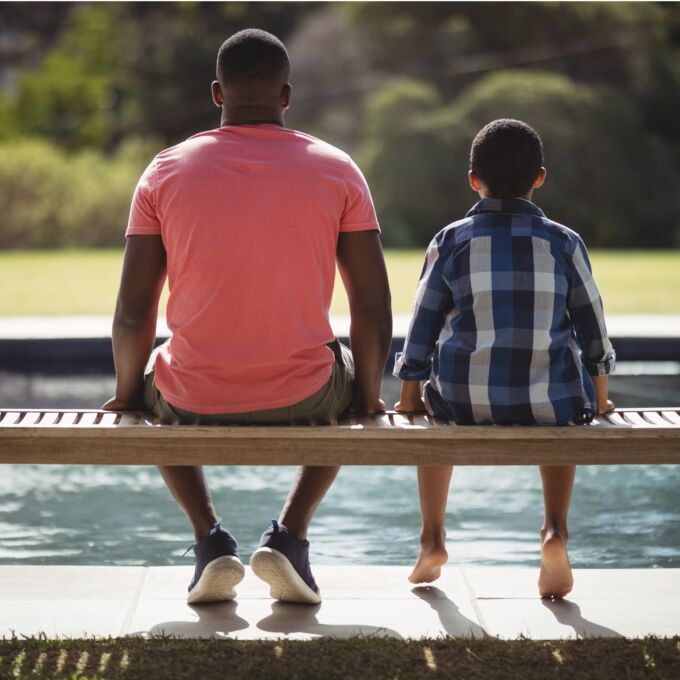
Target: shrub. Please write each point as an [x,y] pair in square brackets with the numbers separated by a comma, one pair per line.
[50,199]
[607,178]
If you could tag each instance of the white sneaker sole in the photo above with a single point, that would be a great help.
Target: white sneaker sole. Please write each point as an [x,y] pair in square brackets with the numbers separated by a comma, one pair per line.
[285,583]
[218,580]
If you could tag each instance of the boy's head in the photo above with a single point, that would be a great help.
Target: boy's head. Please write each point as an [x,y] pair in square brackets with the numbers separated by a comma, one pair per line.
[252,71]
[506,160]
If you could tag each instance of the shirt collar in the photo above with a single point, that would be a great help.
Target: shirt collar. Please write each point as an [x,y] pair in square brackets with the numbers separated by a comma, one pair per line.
[513,206]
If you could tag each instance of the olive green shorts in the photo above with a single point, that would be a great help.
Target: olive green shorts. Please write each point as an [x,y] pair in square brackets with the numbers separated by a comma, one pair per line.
[318,409]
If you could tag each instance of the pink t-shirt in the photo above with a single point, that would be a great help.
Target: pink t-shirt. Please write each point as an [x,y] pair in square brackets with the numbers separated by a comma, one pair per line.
[250,217]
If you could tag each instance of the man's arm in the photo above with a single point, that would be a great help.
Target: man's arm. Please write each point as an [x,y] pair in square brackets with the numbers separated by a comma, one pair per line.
[134,321]
[362,267]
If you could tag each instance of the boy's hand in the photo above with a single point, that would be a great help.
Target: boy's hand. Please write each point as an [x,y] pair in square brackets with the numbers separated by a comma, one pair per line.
[417,406]
[115,404]
[604,404]
[410,399]
[607,407]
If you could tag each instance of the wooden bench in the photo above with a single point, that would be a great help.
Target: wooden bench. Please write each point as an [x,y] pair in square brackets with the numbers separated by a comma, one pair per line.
[627,436]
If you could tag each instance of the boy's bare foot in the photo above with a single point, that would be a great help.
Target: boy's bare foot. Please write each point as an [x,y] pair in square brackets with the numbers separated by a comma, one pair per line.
[555,579]
[432,558]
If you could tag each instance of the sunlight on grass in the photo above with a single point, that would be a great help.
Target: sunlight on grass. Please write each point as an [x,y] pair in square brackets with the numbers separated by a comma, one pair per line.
[84,282]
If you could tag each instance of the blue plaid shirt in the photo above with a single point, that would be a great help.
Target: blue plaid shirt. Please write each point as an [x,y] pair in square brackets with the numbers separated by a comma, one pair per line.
[507,323]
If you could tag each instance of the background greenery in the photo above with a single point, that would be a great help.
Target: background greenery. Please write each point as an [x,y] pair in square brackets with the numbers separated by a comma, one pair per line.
[90,92]
[85,282]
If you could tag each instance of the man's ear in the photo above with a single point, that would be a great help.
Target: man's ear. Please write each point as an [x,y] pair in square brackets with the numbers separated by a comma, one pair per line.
[540,178]
[286,96]
[474,181]
[217,95]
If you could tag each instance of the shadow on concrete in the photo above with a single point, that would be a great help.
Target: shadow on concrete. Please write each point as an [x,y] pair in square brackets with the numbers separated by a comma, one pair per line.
[453,622]
[569,614]
[214,621]
[287,618]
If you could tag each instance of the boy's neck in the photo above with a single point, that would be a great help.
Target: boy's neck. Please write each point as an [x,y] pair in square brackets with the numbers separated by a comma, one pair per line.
[526,197]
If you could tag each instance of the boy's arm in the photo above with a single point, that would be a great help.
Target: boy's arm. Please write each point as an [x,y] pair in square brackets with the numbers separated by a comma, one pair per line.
[432,302]
[134,321]
[604,404]
[587,317]
[362,267]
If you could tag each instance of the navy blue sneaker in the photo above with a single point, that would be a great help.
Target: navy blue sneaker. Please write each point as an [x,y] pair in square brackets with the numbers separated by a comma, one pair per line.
[218,568]
[282,561]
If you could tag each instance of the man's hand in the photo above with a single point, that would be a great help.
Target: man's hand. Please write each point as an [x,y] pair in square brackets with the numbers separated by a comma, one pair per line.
[358,407]
[410,399]
[115,404]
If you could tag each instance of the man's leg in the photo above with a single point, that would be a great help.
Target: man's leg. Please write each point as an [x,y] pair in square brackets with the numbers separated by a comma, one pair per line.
[556,579]
[306,492]
[188,486]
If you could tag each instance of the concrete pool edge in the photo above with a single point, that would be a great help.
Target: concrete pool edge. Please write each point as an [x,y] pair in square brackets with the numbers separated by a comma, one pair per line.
[82,601]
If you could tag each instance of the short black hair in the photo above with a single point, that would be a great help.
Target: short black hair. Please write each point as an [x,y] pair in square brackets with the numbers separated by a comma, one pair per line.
[252,56]
[507,155]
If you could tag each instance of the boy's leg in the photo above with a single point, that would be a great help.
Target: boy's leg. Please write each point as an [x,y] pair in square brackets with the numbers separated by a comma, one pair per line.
[433,490]
[556,579]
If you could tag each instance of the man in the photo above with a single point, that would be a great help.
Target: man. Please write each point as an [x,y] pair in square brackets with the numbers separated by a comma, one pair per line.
[248,221]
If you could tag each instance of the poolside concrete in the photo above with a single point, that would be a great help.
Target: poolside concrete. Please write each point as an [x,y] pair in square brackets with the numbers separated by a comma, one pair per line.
[75,601]
[79,327]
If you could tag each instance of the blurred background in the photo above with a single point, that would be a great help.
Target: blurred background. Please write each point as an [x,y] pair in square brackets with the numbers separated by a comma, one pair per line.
[90,92]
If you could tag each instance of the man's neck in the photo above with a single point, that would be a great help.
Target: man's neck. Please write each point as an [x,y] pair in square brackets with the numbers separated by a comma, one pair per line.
[252,115]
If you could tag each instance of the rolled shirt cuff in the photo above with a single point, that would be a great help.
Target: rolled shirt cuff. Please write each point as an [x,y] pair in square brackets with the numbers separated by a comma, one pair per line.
[403,371]
[603,367]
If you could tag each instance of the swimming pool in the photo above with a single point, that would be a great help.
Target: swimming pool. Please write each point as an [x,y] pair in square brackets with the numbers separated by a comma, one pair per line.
[622,516]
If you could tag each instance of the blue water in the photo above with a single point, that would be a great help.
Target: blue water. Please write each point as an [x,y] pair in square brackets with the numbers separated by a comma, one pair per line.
[621,516]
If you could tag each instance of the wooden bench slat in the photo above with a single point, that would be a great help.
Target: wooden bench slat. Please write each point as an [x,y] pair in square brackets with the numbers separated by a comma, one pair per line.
[49,418]
[9,418]
[68,419]
[671,416]
[627,436]
[636,419]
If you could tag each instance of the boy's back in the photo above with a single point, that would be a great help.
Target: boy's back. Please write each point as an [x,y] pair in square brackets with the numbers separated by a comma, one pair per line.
[503,292]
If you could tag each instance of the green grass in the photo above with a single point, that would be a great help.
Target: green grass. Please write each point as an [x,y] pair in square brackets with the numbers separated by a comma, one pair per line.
[372,658]
[84,282]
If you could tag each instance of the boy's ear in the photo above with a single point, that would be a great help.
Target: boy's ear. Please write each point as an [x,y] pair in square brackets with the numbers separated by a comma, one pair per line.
[540,178]
[475,184]
[217,96]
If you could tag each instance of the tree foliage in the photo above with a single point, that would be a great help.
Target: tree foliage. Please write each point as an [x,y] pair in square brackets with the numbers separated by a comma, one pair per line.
[404,86]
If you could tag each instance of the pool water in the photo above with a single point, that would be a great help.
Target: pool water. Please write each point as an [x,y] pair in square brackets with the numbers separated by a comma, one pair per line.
[621,516]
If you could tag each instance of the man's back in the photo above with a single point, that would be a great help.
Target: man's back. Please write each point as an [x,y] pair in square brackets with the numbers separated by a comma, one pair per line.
[250,217]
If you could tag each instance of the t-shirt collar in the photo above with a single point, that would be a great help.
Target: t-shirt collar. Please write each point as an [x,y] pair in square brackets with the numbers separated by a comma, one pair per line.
[514,206]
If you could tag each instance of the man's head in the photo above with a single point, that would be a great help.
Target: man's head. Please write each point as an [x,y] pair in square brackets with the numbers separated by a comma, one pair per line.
[252,73]
[506,160]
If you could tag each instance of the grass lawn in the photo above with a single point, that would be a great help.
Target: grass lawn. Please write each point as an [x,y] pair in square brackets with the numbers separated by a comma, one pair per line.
[84,282]
[372,658]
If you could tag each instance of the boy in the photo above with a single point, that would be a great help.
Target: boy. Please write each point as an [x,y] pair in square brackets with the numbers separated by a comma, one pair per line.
[507,328]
